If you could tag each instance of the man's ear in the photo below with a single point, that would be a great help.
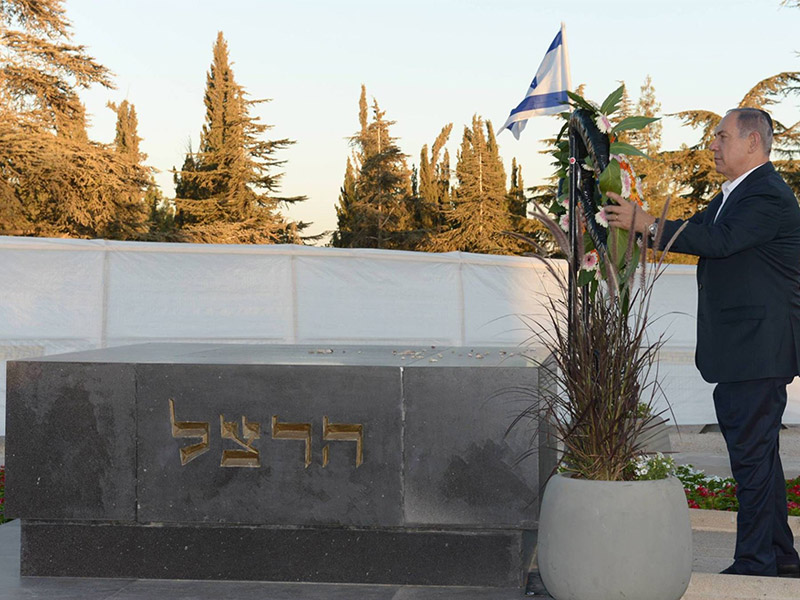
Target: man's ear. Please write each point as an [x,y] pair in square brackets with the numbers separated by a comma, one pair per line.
[753,142]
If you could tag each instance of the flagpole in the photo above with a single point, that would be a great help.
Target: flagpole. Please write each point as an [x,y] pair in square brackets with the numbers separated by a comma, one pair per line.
[574,240]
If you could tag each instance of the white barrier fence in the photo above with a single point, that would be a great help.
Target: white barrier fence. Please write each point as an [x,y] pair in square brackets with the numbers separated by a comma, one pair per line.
[66,295]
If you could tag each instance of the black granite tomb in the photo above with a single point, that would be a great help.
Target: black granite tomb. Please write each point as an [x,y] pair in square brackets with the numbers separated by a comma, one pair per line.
[267,462]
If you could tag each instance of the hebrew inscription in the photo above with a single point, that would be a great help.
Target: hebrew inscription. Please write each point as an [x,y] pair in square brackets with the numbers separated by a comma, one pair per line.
[249,456]
[293,431]
[189,429]
[343,432]
[246,454]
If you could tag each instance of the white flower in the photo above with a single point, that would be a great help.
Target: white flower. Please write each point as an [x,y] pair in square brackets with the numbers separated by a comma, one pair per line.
[603,124]
[601,218]
[564,222]
[645,204]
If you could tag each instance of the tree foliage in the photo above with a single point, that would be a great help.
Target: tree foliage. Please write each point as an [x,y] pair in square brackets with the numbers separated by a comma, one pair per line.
[433,196]
[375,201]
[54,181]
[225,190]
[480,219]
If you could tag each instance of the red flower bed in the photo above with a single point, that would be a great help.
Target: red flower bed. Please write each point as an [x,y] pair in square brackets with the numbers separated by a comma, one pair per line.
[718,493]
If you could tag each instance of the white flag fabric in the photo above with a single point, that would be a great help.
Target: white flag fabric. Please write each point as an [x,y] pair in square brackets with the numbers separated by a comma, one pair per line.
[547,94]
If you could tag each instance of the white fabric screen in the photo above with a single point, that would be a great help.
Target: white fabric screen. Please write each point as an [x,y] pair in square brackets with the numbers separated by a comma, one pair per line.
[65,295]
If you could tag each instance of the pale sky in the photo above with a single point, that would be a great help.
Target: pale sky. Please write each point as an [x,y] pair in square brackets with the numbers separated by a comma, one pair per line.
[427,63]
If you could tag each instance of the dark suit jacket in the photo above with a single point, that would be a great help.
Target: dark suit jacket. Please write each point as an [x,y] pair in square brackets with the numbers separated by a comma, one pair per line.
[748,280]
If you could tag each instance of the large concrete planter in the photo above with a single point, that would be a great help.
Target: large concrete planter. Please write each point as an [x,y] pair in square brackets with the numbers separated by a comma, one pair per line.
[602,540]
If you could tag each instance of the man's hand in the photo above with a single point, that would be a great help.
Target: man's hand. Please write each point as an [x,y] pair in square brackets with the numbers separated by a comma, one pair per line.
[627,215]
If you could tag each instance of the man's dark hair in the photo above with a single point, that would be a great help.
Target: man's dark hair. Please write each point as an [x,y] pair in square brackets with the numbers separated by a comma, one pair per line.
[749,120]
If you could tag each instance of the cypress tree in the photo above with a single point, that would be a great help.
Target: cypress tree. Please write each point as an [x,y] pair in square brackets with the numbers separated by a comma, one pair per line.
[479,216]
[517,202]
[345,211]
[434,184]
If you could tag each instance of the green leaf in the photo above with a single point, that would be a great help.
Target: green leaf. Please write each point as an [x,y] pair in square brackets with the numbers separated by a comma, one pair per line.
[623,148]
[633,123]
[563,129]
[581,102]
[585,277]
[610,180]
[611,103]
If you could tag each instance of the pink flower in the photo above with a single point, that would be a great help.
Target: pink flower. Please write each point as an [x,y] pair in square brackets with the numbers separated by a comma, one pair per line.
[590,260]
[626,184]
[601,218]
[564,222]
[603,124]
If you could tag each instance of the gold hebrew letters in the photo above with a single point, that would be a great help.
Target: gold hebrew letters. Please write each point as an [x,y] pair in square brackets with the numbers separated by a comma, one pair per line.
[246,454]
[343,432]
[249,457]
[189,429]
[293,431]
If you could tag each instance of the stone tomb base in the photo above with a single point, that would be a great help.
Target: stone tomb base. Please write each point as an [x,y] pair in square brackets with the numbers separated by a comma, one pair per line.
[277,463]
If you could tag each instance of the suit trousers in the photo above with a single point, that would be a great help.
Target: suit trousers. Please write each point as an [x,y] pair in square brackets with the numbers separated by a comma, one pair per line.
[749,415]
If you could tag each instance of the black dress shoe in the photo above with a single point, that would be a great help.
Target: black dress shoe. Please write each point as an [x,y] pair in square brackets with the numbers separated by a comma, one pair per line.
[789,570]
[732,570]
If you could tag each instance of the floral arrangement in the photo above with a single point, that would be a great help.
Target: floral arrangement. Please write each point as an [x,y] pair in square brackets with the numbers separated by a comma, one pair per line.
[618,176]
[603,364]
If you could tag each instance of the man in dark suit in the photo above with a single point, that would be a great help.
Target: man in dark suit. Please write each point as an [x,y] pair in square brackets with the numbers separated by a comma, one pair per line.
[748,324]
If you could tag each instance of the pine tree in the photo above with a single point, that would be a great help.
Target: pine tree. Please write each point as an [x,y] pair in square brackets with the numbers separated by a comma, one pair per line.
[54,181]
[377,213]
[479,217]
[224,192]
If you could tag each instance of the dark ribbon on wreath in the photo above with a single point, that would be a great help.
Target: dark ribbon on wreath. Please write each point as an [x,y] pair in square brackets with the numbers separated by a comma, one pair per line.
[585,140]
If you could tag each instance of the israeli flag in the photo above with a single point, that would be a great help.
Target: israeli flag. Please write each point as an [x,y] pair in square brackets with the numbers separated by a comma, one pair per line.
[548,92]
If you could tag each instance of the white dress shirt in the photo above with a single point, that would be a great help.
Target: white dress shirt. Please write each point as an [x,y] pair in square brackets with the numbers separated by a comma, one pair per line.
[729,186]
